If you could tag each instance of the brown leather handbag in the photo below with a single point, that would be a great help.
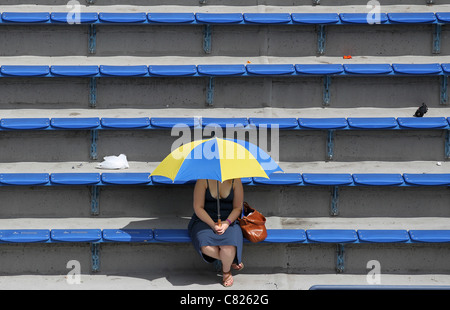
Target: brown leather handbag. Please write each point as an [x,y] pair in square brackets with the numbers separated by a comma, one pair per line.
[253,224]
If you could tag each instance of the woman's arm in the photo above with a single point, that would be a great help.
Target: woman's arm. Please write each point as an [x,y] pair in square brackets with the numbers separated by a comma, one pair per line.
[199,203]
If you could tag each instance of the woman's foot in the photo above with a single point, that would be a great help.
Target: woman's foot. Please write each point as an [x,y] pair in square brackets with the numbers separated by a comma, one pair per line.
[238,267]
[227,279]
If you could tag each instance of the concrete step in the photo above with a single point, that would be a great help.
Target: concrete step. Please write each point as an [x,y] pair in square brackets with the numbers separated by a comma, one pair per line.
[229,92]
[207,279]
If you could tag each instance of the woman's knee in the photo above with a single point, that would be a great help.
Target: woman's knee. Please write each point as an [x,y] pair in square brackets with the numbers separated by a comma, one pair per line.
[228,248]
[209,249]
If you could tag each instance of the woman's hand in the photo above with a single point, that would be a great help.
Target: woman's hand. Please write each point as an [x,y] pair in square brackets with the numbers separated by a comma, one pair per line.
[222,228]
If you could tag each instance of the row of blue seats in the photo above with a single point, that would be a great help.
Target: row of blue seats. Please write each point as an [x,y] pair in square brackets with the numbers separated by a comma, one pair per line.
[224,18]
[224,70]
[181,235]
[295,179]
[95,123]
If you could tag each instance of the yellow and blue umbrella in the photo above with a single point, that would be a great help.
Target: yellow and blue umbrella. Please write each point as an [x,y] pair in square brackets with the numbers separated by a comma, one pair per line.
[216,159]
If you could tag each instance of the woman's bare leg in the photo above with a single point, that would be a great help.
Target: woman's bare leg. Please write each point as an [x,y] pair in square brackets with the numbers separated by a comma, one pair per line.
[211,251]
[227,254]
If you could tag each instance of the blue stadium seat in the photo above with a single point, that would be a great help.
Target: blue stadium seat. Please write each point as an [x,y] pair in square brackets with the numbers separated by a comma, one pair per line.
[172,18]
[383,236]
[128,235]
[75,123]
[285,236]
[24,235]
[280,179]
[25,70]
[430,235]
[423,122]
[267,18]
[270,69]
[170,122]
[443,17]
[171,235]
[219,18]
[372,122]
[75,178]
[419,69]
[360,18]
[315,18]
[281,123]
[378,179]
[412,18]
[223,122]
[26,17]
[158,179]
[25,123]
[332,235]
[126,178]
[76,235]
[125,123]
[124,70]
[122,17]
[319,69]
[74,70]
[322,123]
[246,180]
[66,17]
[425,179]
[331,179]
[221,70]
[173,70]
[24,178]
[369,69]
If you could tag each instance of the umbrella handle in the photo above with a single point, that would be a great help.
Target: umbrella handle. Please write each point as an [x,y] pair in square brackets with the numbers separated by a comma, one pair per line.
[219,222]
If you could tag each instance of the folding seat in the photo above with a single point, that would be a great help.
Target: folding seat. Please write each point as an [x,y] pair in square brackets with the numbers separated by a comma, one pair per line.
[76,235]
[75,178]
[125,123]
[327,179]
[24,235]
[122,17]
[323,123]
[126,178]
[24,123]
[128,235]
[24,178]
[172,70]
[171,18]
[383,236]
[332,235]
[75,123]
[378,179]
[74,70]
[267,18]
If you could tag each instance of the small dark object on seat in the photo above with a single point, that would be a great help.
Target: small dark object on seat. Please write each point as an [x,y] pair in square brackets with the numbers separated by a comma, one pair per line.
[421,110]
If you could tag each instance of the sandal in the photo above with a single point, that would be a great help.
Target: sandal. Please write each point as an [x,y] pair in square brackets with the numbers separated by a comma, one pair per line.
[237,267]
[227,280]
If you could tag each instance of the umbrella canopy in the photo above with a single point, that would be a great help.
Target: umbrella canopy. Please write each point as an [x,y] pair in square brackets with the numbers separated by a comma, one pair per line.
[216,159]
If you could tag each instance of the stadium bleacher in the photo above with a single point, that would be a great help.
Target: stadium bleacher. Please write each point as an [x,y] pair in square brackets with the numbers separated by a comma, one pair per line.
[363,178]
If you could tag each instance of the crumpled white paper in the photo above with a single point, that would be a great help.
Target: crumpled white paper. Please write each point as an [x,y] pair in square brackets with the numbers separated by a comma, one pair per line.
[114,162]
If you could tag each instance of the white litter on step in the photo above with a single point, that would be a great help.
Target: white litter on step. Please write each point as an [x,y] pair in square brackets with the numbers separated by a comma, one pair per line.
[114,162]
